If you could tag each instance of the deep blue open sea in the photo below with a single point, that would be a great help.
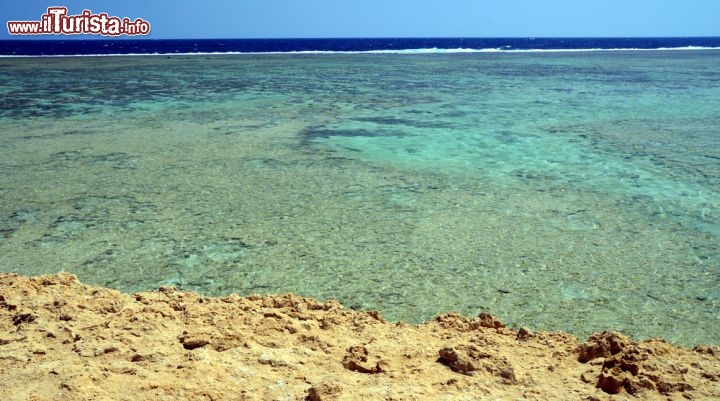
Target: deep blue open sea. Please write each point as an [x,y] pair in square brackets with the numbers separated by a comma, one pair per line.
[559,184]
[173,46]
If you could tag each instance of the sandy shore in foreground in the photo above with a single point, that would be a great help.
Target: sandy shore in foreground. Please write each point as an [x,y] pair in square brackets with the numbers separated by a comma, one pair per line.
[62,340]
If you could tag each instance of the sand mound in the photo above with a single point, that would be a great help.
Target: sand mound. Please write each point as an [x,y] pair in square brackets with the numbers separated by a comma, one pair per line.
[60,339]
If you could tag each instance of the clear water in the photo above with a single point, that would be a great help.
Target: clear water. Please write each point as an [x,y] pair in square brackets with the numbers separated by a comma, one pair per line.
[559,191]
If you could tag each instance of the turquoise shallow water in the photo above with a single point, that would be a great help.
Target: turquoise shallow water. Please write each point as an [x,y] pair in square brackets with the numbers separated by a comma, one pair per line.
[563,191]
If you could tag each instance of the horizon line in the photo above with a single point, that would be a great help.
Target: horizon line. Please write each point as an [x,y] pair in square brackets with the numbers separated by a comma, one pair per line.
[96,37]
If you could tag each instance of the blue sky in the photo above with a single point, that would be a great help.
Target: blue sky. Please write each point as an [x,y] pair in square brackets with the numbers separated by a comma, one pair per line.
[396,18]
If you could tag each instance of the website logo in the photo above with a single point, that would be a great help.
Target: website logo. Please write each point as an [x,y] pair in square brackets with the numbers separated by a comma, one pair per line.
[57,22]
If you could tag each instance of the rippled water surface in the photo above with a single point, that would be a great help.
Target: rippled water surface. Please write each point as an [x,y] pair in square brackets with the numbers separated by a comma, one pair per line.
[563,191]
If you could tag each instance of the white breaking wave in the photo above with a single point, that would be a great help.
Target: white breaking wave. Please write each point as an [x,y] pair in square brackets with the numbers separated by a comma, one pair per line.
[432,50]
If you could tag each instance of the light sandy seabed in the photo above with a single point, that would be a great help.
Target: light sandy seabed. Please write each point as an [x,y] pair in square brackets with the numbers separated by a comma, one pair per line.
[250,213]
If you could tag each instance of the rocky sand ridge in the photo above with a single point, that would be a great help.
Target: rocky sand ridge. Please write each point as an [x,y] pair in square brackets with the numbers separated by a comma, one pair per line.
[63,340]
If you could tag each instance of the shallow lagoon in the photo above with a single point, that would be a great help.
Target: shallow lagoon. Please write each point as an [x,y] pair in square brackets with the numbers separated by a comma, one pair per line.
[564,191]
